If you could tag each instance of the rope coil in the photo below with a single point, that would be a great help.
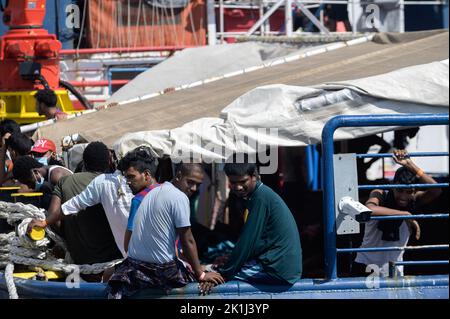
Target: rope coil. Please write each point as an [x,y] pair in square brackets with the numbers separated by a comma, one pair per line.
[18,248]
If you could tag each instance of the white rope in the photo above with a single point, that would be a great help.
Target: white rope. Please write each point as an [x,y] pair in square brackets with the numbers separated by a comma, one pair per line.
[60,265]
[194,33]
[14,212]
[4,248]
[100,19]
[172,15]
[162,27]
[146,37]
[129,24]
[10,281]
[120,23]
[82,24]
[20,249]
[113,25]
[153,29]
[138,23]
[5,238]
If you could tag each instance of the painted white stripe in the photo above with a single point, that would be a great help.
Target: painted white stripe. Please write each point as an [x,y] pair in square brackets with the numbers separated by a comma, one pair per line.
[313,51]
[231,74]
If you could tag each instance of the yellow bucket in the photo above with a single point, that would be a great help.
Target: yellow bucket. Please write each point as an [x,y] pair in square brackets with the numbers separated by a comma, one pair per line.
[37,233]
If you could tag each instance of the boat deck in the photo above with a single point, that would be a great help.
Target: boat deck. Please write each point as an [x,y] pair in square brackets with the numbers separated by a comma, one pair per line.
[408,287]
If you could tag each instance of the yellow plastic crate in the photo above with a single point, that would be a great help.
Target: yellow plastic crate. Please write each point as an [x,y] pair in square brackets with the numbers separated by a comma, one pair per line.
[9,188]
[28,275]
[27,194]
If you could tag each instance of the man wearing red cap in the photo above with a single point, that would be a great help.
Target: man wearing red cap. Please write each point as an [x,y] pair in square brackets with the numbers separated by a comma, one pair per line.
[44,151]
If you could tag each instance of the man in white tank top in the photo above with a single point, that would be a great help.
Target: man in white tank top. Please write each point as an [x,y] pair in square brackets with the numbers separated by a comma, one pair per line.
[30,172]
[393,233]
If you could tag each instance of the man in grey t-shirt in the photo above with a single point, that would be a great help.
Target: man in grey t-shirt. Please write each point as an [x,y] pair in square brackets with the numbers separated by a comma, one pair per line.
[162,216]
[162,211]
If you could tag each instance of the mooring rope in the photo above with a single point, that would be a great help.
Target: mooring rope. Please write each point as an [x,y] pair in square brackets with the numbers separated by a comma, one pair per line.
[18,248]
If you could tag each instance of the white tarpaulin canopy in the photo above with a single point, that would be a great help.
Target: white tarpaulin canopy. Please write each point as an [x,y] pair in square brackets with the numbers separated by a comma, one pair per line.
[283,115]
[196,64]
[361,58]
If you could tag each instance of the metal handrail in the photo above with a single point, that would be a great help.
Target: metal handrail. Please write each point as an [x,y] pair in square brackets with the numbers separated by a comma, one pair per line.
[330,127]
[271,6]
[418,216]
[392,248]
[421,262]
[392,186]
[415,154]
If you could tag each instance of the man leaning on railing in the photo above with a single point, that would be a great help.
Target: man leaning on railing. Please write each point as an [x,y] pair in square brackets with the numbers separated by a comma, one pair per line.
[398,201]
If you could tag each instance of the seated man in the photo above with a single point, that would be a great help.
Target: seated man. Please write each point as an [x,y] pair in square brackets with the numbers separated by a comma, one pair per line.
[162,216]
[268,249]
[115,193]
[139,168]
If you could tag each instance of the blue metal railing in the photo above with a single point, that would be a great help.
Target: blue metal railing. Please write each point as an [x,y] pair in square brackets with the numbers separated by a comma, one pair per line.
[389,155]
[312,166]
[328,169]
[391,186]
[418,216]
[120,70]
[416,154]
[421,262]
[392,248]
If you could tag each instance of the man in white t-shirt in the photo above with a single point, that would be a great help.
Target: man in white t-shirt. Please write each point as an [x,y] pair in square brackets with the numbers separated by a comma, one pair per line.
[162,216]
[112,191]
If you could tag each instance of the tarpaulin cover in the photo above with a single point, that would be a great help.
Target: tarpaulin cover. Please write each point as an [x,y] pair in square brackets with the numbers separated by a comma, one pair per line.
[281,115]
[386,53]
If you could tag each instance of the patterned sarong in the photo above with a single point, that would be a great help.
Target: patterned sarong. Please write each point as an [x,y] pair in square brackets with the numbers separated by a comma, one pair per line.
[133,275]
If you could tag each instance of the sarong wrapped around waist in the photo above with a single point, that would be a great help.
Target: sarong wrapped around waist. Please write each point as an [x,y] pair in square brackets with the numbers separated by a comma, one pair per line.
[133,275]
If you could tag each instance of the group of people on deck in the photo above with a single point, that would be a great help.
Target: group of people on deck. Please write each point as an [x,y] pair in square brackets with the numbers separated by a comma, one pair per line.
[109,210]
[106,213]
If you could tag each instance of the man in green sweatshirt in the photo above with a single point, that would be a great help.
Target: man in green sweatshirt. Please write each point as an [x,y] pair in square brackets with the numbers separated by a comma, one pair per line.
[268,249]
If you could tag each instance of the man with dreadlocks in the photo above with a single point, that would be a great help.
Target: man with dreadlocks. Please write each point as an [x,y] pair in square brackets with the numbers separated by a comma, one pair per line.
[398,201]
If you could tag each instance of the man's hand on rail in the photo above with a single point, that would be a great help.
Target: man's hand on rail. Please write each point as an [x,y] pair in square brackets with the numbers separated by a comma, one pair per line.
[414,227]
[401,157]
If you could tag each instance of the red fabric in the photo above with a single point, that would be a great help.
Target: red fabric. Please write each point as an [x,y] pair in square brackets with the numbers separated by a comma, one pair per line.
[109,25]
